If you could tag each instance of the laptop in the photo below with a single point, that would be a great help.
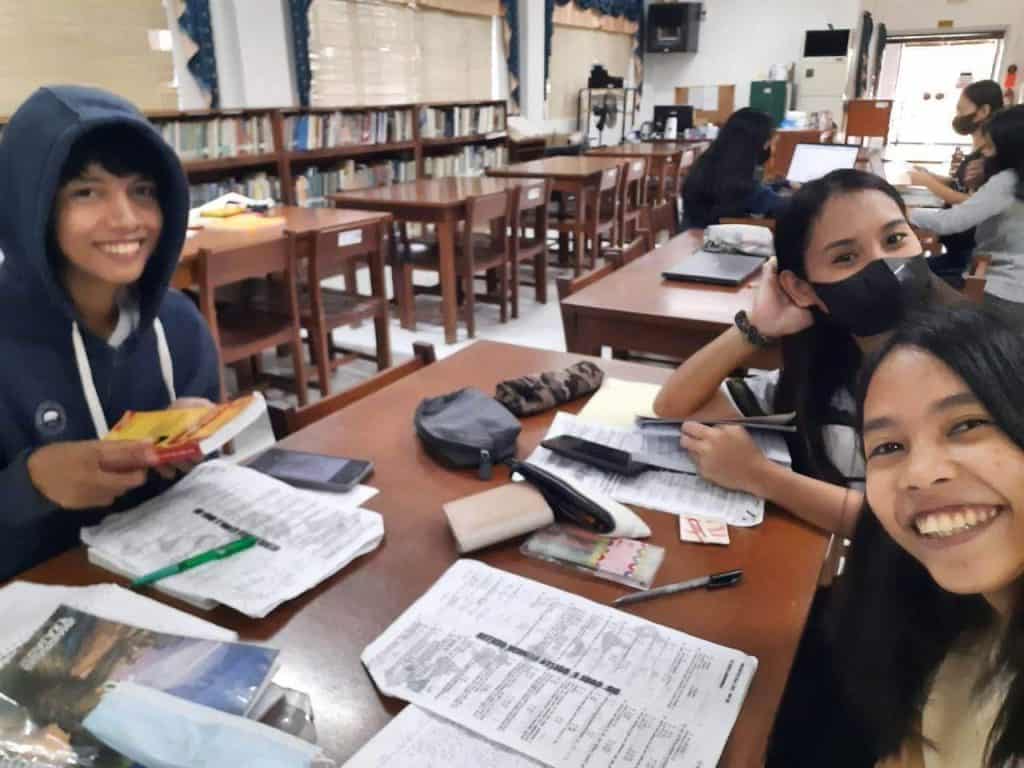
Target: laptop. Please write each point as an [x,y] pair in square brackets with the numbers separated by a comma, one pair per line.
[715,268]
[812,161]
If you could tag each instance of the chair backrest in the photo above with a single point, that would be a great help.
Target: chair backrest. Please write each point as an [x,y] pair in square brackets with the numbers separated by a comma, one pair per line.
[335,248]
[633,183]
[667,179]
[487,211]
[974,280]
[568,286]
[286,422]
[226,267]
[530,202]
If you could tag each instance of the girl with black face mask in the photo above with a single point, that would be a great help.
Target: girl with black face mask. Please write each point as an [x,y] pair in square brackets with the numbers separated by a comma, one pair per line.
[849,265]
[722,184]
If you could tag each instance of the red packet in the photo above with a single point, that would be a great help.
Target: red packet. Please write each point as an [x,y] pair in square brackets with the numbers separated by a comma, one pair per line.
[703,531]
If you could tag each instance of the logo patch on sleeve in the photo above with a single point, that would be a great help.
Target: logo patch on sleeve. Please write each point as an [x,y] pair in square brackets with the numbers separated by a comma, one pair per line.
[51,418]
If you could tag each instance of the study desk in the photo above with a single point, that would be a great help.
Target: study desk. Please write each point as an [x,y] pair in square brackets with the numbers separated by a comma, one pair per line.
[578,176]
[305,223]
[322,633]
[441,202]
[635,308]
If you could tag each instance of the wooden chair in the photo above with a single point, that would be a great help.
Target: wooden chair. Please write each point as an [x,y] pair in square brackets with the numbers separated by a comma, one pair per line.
[531,202]
[322,309]
[476,252]
[631,198]
[287,422]
[239,330]
[974,279]
[660,220]
[868,119]
[621,256]
[567,286]
[602,217]
[662,215]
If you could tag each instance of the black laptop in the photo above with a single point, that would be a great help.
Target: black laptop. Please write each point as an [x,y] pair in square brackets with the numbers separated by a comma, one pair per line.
[715,268]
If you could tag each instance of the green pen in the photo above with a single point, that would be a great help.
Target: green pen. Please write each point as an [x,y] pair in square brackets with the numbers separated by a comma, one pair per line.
[218,553]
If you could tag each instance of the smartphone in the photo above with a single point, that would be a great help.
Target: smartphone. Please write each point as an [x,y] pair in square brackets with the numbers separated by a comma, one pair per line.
[312,470]
[595,454]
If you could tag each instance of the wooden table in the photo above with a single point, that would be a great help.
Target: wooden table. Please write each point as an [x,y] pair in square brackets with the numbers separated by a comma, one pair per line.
[635,308]
[441,202]
[305,223]
[578,176]
[322,633]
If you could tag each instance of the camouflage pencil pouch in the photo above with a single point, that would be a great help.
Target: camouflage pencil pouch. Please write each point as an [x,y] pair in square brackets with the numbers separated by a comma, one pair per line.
[528,395]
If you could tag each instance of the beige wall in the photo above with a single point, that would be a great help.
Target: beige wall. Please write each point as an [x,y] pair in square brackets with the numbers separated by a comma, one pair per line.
[573,52]
[87,42]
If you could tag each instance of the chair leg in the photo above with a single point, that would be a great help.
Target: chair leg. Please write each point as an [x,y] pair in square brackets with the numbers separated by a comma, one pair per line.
[382,329]
[323,362]
[540,276]
[514,266]
[503,287]
[469,305]
[401,278]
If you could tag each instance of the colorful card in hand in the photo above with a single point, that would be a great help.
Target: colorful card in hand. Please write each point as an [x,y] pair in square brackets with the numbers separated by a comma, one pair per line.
[703,531]
[625,561]
[188,434]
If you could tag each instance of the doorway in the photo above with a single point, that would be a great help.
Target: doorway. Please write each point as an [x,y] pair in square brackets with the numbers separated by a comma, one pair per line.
[924,75]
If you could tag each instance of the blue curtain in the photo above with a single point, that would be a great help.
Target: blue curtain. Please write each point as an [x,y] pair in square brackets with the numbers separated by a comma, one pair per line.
[511,8]
[631,9]
[299,12]
[195,22]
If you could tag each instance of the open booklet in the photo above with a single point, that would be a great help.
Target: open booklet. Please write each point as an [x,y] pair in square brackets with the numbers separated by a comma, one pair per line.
[550,675]
[303,537]
[188,434]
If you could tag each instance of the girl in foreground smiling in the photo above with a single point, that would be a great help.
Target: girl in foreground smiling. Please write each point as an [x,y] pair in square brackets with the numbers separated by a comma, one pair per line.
[931,627]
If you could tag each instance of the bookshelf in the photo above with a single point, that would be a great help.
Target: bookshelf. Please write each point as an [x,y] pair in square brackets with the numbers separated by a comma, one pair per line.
[299,155]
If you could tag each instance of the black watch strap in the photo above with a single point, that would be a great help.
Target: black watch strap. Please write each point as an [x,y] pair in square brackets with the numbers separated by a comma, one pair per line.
[750,332]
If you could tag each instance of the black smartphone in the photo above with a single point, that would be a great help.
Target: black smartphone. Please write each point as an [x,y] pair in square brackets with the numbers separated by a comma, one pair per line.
[595,454]
[312,470]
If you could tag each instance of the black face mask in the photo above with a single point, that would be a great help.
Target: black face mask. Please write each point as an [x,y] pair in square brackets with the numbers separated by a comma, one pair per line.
[965,125]
[764,155]
[875,299]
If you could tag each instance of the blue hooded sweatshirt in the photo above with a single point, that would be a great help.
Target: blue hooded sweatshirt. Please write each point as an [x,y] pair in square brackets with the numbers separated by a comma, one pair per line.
[44,388]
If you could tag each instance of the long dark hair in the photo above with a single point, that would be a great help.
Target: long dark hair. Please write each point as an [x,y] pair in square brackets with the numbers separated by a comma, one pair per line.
[894,625]
[723,178]
[985,93]
[822,360]
[1006,130]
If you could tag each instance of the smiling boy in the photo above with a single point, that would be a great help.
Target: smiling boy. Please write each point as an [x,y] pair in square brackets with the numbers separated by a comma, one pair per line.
[94,213]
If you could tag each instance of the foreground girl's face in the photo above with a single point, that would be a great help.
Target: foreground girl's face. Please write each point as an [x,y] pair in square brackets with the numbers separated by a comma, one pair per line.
[945,481]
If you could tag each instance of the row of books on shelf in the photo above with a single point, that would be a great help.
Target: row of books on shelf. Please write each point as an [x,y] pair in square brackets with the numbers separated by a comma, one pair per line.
[258,186]
[313,186]
[219,137]
[334,129]
[471,161]
[450,122]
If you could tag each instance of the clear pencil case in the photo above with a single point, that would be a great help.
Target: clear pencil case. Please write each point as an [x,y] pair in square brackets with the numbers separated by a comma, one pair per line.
[625,561]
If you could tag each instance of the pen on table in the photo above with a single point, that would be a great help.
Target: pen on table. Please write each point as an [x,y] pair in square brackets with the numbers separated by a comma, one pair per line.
[209,556]
[712,581]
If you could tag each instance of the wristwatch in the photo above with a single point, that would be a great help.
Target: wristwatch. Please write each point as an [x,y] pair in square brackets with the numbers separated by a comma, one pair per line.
[750,332]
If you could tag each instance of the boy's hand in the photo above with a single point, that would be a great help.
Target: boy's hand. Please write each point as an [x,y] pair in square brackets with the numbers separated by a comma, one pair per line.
[91,473]
[171,471]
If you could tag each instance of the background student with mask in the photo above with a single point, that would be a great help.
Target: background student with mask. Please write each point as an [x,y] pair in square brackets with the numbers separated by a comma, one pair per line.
[723,182]
[94,218]
[978,102]
[830,298]
[995,211]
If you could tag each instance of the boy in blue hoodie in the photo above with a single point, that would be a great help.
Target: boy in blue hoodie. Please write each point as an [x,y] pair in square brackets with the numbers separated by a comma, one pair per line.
[94,214]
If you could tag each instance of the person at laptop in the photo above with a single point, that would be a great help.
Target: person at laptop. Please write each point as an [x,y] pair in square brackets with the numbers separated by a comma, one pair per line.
[723,183]
[995,212]
[978,102]
[832,296]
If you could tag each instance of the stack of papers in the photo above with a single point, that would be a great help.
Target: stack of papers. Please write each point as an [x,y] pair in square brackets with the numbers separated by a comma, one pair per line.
[305,537]
[552,676]
[666,491]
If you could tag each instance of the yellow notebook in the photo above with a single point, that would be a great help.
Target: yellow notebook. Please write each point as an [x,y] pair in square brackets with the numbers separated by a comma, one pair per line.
[188,434]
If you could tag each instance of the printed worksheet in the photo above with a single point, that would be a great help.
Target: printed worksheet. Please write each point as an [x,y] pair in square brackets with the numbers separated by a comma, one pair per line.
[558,678]
[304,537]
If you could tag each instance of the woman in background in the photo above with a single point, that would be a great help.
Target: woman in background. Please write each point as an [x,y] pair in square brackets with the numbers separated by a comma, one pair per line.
[723,182]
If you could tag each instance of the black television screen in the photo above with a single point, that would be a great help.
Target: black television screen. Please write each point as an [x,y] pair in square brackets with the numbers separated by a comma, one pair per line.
[827,42]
